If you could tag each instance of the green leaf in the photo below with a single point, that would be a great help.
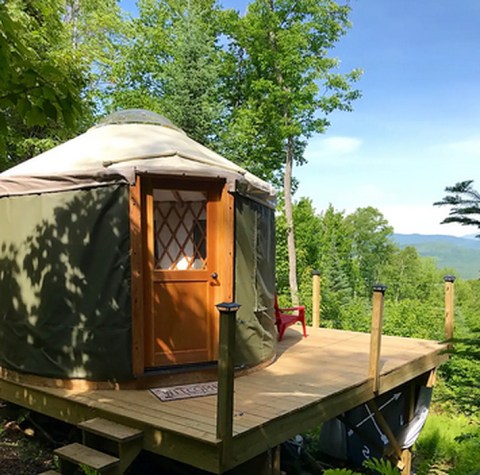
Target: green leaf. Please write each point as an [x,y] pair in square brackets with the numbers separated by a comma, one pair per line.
[35,116]
[50,110]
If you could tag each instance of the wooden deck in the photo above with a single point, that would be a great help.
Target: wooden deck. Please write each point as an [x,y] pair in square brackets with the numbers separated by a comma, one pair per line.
[312,380]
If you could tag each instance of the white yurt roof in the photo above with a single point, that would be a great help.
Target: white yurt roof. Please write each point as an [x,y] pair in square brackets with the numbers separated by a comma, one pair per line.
[125,144]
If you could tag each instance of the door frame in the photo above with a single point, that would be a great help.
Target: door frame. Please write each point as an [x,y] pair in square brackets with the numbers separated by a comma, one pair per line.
[142,257]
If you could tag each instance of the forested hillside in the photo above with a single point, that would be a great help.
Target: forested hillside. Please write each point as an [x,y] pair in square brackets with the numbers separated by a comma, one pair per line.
[461,254]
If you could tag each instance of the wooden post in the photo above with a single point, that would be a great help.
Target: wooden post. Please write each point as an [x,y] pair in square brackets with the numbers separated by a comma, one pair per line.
[316,299]
[408,415]
[376,335]
[449,305]
[228,312]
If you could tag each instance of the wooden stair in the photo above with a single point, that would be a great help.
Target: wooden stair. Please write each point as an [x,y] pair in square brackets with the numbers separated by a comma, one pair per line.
[74,455]
[108,448]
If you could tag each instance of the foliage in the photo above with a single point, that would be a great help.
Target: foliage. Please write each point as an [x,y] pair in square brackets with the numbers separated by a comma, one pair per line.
[191,86]
[465,204]
[89,471]
[94,30]
[349,251]
[170,63]
[449,443]
[383,467]
[371,246]
[339,471]
[461,372]
[40,83]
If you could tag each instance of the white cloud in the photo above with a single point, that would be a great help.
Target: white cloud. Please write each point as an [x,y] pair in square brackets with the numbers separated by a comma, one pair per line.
[336,146]
[410,219]
[467,147]
[341,145]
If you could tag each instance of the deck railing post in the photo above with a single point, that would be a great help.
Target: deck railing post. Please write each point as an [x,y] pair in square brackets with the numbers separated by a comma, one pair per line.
[316,299]
[376,335]
[228,312]
[449,305]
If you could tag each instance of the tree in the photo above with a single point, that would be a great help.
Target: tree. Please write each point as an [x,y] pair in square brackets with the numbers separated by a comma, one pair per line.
[371,245]
[95,30]
[40,87]
[191,87]
[283,80]
[465,203]
[170,63]
[308,232]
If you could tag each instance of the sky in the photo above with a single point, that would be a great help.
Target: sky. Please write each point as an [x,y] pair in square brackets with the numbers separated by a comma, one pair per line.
[416,128]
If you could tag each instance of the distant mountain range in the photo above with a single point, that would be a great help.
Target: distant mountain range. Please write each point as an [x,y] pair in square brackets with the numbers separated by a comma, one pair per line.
[459,253]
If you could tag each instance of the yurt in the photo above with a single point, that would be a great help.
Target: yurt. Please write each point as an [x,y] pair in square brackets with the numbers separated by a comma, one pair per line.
[115,248]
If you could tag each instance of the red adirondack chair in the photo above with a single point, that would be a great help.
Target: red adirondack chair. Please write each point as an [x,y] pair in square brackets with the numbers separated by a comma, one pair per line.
[287,316]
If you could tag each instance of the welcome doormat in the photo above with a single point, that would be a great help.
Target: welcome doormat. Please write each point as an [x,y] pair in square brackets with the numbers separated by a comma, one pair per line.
[185,391]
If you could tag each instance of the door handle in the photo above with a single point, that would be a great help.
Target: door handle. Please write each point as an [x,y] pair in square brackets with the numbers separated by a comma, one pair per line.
[214,276]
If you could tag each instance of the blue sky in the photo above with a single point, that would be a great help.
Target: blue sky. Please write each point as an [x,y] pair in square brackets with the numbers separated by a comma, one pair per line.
[416,128]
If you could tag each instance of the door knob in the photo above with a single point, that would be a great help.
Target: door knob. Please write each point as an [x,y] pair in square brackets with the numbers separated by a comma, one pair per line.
[214,275]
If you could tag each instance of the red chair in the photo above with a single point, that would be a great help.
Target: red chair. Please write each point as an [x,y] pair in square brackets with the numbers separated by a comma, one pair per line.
[285,317]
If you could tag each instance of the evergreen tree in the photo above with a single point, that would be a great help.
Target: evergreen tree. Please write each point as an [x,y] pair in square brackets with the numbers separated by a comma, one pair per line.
[191,86]
[170,63]
[464,201]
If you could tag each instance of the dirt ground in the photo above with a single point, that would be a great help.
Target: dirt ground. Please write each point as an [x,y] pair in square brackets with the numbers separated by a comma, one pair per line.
[23,450]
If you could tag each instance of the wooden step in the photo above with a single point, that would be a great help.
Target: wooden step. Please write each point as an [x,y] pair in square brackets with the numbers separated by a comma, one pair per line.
[110,430]
[81,455]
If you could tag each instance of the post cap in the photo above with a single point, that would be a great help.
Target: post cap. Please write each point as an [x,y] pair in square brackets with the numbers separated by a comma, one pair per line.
[379,288]
[227,307]
[315,272]
[449,278]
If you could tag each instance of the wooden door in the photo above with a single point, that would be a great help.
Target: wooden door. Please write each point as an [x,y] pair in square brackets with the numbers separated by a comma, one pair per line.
[183,239]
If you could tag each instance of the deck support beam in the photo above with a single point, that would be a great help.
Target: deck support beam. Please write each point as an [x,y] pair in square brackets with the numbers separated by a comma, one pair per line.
[409,412]
[383,424]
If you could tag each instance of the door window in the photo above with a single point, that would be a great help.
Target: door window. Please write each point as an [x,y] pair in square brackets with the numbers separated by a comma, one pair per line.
[180,226]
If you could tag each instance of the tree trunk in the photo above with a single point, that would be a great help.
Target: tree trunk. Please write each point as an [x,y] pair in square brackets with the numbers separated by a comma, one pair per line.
[292,254]
[71,16]
[287,178]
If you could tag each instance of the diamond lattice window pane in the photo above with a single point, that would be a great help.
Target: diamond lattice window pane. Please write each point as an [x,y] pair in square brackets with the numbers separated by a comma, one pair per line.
[180,230]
